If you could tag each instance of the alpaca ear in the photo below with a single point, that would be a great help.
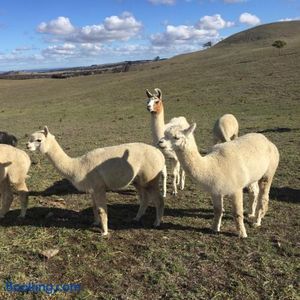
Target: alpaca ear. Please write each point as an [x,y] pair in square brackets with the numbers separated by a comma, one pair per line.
[190,130]
[125,155]
[46,130]
[149,94]
[158,93]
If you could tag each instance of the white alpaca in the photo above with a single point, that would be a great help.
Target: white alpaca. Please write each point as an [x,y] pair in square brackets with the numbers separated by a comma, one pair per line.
[14,166]
[109,168]
[228,169]
[226,128]
[158,127]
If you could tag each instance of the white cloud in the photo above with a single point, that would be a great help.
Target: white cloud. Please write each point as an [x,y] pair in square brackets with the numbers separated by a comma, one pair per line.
[121,27]
[69,50]
[249,19]
[124,22]
[59,26]
[113,28]
[132,51]
[213,22]
[17,61]
[181,34]
[89,49]
[64,50]
[206,29]
[165,2]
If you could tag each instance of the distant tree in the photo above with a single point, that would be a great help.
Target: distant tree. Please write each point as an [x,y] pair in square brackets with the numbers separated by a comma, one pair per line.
[157,58]
[279,44]
[127,66]
[207,45]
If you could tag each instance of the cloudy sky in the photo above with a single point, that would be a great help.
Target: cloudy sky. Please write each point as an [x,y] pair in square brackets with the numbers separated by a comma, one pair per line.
[62,33]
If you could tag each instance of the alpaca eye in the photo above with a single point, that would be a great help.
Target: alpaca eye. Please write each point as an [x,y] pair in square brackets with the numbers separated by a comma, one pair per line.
[176,137]
[38,140]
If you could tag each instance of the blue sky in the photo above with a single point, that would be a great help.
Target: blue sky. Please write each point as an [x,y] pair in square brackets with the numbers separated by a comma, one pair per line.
[63,33]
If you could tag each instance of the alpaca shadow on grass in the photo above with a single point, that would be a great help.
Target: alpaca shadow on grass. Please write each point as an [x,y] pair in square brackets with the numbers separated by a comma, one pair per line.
[120,218]
[65,187]
[285,194]
[201,213]
[277,129]
[59,188]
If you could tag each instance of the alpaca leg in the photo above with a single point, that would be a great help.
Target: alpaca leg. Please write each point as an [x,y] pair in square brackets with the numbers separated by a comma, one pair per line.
[238,213]
[1,192]
[144,201]
[253,194]
[177,167]
[154,196]
[175,172]
[263,200]
[23,195]
[2,198]
[24,203]
[164,177]
[7,197]
[182,179]
[100,209]
[217,201]
[96,215]
[159,205]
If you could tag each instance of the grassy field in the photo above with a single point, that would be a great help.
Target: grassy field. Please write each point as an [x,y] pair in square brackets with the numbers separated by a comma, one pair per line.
[243,75]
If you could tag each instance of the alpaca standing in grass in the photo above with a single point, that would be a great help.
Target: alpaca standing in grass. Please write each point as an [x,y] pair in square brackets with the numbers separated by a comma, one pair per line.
[158,127]
[109,168]
[227,170]
[14,166]
[226,129]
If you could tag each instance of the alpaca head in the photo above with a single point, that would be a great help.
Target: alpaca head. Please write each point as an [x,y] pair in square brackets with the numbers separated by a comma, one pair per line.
[177,139]
[154,102]
[39,140]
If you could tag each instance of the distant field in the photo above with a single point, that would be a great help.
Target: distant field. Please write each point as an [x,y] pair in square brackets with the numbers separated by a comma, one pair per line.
[183,260]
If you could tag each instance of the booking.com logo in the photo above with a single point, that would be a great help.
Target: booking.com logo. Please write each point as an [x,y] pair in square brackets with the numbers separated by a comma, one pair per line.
[41,287]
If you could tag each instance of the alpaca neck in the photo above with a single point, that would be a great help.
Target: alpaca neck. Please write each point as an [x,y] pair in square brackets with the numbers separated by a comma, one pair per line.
[158,126]
[61,161]
[193,163]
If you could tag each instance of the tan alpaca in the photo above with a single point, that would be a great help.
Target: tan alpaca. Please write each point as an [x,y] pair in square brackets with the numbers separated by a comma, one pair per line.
[226,128]
[14,166]
[109,168]
[158,128]
[228,169]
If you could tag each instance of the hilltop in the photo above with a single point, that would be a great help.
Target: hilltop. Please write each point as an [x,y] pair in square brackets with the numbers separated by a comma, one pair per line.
[265,34]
